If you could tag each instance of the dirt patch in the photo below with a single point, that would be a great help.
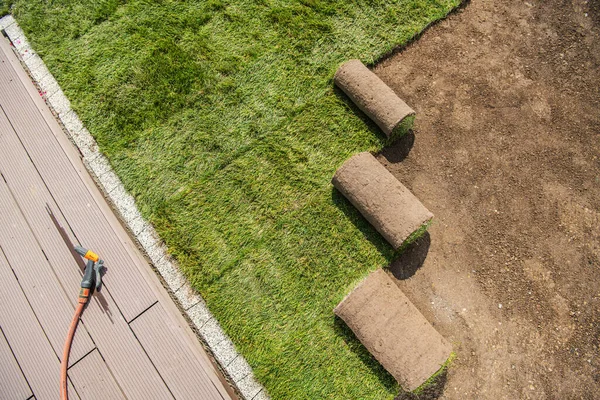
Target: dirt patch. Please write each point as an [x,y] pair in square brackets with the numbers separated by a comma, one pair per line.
[506,156]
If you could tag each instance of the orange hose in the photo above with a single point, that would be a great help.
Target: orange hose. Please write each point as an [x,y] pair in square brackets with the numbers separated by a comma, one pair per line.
[64,365]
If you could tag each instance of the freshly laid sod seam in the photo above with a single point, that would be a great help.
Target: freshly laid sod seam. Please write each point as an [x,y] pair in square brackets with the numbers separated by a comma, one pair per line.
[221,120]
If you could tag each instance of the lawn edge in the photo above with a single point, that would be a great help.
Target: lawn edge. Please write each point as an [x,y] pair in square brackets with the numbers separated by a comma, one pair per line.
[212,336]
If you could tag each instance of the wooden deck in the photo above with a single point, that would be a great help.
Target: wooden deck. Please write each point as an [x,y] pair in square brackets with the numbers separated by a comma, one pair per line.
[132,342]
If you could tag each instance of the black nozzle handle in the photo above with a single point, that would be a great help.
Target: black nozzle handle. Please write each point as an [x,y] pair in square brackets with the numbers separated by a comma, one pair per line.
[88,276]
[98,270]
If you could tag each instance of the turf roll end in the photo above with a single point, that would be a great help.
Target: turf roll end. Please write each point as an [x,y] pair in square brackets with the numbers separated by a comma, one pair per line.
[374,98]
[385,202]
[394,331]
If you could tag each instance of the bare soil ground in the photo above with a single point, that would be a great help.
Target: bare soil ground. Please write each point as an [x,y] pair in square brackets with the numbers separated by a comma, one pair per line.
[506,155]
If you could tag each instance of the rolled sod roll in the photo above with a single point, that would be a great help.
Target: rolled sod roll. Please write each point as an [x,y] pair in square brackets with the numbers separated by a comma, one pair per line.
[374,98]
[389,206]
[393,330]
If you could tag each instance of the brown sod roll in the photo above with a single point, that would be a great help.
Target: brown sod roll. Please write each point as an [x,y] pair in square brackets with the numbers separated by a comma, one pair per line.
[374,98]
[394,331]
[389,206]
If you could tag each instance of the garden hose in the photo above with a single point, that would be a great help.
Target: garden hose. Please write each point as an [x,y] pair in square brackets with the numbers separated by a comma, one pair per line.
[92,277]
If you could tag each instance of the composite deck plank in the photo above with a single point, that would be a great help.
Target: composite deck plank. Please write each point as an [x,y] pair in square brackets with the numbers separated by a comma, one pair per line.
[36,277]
[12,384]
[39,209]
[76,202]
[27,340]
[164,342]
[93,380]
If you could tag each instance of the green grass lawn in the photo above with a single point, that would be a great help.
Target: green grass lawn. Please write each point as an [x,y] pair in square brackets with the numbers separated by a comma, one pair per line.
[221,119]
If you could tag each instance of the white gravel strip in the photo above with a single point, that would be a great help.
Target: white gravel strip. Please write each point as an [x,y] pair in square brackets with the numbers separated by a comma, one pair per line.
[6,21]
[221,346]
